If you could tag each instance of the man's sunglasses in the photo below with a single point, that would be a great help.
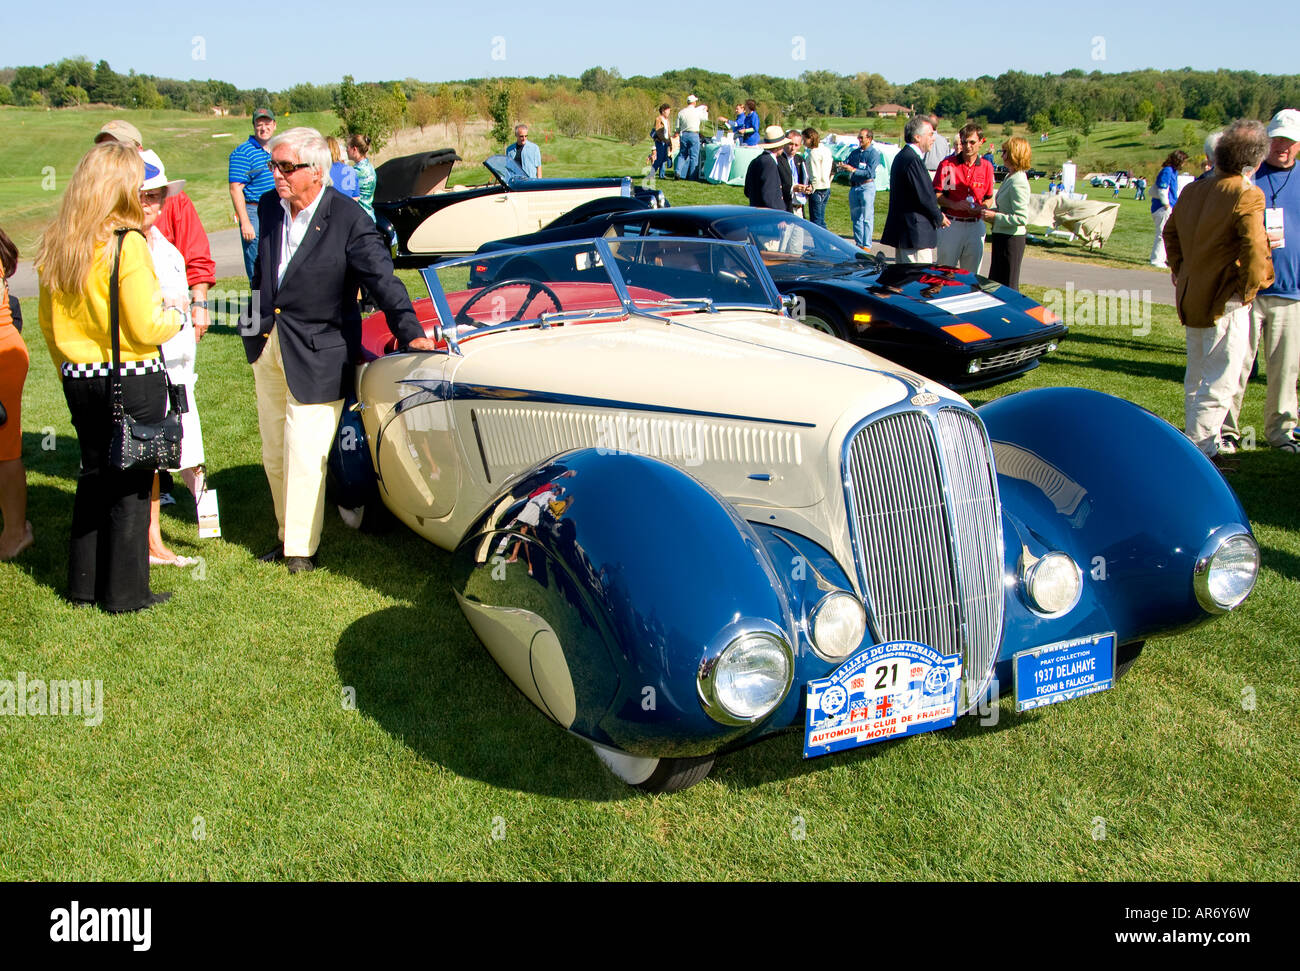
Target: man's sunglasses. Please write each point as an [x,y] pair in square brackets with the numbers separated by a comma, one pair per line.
[287,168]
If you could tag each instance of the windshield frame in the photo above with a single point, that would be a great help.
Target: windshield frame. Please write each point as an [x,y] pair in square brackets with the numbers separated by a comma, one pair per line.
[505,170]
[626,305]
[747,221]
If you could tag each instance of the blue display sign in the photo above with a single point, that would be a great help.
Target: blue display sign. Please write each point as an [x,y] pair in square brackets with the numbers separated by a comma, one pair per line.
[887,691]
[1060,672]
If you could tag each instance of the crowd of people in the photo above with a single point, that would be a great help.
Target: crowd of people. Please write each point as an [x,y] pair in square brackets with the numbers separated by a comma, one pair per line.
[125,270]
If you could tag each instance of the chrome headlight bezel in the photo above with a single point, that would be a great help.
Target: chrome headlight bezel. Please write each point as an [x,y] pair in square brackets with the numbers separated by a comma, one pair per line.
[711,681]
[820,645]
[1032,568]
[1202,572]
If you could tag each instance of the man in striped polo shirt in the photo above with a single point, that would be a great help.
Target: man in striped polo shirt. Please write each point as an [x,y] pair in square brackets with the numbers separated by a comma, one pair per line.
[250,177]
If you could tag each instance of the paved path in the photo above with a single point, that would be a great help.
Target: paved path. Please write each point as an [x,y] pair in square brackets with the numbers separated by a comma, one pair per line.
[226,250]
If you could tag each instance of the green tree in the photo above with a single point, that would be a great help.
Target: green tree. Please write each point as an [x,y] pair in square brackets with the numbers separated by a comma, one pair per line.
[500,107]
[1156,122]
[423,110]
[370,110]
[1040,122]
[600,80]
[1071,145]
[1008,130]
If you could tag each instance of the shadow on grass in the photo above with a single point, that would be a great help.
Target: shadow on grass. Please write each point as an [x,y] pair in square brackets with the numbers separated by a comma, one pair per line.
[781,756]
[422,676]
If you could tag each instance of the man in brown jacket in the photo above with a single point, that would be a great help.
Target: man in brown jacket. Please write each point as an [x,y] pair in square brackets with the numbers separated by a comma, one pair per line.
[1219,256]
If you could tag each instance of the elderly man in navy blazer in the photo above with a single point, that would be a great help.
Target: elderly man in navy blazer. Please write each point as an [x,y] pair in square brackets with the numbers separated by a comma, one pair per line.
[912,226]
[315,248]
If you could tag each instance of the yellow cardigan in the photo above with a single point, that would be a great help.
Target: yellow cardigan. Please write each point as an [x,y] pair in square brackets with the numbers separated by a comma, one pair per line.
[77,325]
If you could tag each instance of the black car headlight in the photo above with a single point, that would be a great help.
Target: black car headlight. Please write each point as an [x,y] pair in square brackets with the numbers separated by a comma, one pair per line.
[1226,569]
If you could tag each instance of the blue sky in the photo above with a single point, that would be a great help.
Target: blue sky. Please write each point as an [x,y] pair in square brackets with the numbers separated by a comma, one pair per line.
[277,44]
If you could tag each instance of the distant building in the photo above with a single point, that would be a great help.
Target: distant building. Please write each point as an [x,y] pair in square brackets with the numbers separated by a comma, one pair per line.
[890,111]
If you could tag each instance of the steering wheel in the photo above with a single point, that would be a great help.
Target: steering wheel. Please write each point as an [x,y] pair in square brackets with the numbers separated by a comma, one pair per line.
[534,288]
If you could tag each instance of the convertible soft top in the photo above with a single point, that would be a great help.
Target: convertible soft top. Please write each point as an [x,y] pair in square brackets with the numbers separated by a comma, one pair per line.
[420,174]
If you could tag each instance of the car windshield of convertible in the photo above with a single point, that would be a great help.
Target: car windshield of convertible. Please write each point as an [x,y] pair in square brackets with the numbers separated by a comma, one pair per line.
[575,282]
[781,238]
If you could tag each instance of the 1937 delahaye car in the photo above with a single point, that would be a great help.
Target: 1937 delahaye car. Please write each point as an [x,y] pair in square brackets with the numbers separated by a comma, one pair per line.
[683,521]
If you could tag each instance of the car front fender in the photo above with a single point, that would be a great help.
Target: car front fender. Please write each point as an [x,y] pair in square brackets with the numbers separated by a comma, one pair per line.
[1120,490]
[602,580]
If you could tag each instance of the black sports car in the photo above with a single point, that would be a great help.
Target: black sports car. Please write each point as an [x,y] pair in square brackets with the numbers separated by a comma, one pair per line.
[943,322]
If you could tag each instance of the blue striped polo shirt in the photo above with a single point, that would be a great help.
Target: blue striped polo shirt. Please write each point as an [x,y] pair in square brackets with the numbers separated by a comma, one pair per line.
[248,165]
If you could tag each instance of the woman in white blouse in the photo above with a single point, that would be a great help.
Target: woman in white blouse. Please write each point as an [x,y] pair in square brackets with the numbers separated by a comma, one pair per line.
[820,166]
[178,353]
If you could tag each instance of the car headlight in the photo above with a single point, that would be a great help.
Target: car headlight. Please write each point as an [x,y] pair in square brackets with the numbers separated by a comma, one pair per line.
[1226,569]
[747,679]
[1053,583]
[838,625]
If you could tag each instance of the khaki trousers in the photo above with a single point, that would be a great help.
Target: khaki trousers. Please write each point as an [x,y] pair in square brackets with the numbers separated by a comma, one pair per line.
[1214,367]
[296,440]
[1274,329]
[902,255]
[961,244]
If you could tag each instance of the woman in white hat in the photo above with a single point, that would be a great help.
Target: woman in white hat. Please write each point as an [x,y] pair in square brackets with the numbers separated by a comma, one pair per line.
[178,353]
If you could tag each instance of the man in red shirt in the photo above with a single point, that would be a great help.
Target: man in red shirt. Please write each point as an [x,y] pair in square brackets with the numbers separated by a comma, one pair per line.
[180,225]
[964,183]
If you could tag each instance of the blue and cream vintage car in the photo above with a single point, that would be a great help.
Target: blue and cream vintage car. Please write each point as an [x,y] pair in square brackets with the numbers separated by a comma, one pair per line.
[683,521]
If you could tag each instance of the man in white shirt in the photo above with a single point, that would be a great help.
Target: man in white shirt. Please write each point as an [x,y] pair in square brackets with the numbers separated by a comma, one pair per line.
[689,120]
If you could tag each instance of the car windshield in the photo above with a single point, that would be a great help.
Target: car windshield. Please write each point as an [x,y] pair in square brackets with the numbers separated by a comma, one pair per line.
[505,170]
[598,278]
[782,238]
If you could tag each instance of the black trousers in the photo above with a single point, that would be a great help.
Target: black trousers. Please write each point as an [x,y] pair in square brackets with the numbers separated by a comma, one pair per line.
[1004,264]
[108,556]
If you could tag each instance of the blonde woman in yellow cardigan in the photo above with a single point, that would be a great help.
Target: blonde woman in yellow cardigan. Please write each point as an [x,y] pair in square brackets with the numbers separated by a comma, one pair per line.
[108,560]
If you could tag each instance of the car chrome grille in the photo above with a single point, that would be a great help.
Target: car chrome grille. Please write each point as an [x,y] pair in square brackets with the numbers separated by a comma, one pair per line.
[931,567]
[1017,355]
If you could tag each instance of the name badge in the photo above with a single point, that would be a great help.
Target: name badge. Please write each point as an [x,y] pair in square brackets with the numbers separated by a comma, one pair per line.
[1274,225]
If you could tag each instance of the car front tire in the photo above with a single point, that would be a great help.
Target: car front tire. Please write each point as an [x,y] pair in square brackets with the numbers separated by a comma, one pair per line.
[828,321]
[654,775]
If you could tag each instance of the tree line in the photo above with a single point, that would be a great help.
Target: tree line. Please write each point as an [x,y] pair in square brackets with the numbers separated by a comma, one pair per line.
[604,101]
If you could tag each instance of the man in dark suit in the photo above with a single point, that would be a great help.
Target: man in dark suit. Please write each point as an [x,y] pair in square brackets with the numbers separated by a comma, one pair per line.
[796,169]
[315,248]
[768,180]
[912,226]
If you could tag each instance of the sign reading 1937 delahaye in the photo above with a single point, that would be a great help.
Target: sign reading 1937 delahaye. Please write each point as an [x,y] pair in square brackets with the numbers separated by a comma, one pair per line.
[656,482]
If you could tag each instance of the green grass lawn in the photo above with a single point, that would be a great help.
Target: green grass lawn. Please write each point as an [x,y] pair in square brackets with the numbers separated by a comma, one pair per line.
[228,750]
[45,146]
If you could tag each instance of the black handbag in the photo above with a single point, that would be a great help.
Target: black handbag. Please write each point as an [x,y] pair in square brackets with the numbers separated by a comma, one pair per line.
[136,444]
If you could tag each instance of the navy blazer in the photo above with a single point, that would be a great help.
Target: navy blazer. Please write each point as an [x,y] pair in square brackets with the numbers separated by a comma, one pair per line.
[914,217]
[766,182]
[314,309]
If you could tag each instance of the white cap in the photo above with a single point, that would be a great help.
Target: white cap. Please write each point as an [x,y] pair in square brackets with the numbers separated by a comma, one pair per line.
[1285,124]
[155,176]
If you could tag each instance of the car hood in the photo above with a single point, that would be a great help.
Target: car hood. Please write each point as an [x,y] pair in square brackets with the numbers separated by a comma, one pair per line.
[945,298]
[754,404]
